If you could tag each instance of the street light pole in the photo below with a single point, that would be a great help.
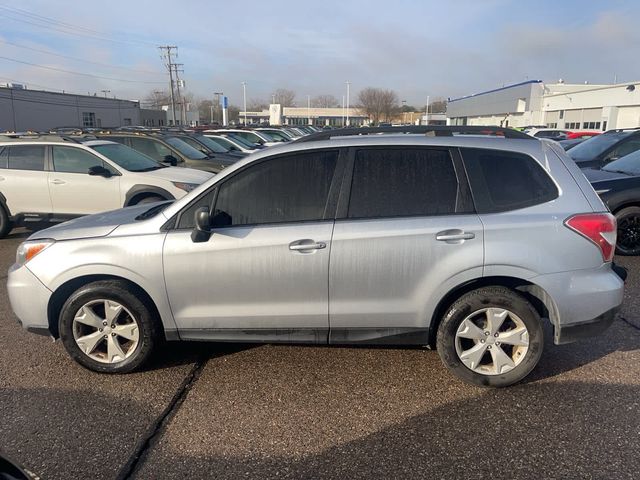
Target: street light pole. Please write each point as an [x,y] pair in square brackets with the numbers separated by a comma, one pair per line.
[309,109]
[244,96]
[217,101]
[348,85]
[105,92]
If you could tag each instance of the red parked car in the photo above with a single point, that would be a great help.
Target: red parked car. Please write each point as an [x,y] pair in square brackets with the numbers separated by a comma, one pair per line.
[583,135]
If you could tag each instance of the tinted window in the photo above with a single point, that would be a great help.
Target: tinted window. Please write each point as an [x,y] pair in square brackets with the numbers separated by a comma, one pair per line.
[74,160]
[4,157]
[151,148]
[590,149]
[403,182]
[187,217]
[26,157]
[128,158]
[185,149]
[503,181]
[288,189]
[627,147]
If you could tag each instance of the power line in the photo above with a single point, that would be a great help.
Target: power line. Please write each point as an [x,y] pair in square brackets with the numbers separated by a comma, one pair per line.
[77,73]
[78,59]
[51,24]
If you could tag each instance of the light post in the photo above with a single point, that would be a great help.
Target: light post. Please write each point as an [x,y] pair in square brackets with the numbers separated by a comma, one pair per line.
[343,111]
[348,85]
[105,92]
[426,113]
[244,101]
[309,109]
[217,100]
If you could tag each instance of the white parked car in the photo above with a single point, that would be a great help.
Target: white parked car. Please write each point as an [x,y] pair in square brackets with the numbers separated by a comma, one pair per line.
[556,134]
[234,143]
[253,136]
[47,179]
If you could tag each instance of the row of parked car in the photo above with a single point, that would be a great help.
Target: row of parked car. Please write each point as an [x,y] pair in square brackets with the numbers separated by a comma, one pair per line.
[56,176]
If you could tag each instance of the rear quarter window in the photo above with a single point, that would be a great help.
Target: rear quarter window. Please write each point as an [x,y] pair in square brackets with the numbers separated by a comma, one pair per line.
[502,181]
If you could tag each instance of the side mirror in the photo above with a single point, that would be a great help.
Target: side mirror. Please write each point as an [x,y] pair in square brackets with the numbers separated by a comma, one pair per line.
[171,159]
[99,170]
[202,230]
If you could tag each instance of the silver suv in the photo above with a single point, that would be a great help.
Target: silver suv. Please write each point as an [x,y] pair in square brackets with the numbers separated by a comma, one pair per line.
[464,238]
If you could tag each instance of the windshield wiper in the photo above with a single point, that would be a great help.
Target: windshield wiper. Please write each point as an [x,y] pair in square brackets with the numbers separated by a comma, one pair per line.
[618,171]
[153,211]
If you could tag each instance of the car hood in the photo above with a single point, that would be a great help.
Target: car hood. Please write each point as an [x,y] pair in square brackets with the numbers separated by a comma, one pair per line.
[178,174]
[597,175]
[91,226]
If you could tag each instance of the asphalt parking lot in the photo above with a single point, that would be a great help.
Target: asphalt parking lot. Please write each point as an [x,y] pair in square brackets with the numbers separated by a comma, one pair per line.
[241,411]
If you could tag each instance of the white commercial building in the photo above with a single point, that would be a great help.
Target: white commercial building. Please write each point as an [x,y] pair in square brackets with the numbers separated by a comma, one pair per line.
[557,105]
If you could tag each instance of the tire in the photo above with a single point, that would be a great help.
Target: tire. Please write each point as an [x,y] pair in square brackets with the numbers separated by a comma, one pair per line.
[84,315]
[628,231]
[5,223]
[150,199]
[483,349]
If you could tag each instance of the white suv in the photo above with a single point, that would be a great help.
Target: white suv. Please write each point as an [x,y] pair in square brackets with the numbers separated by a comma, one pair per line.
[49,179]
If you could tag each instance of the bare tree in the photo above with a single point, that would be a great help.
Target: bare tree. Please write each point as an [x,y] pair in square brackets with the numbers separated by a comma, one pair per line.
[285,97]
[378,103]
[256,105]
[156,99]
[437,106]
[325,101]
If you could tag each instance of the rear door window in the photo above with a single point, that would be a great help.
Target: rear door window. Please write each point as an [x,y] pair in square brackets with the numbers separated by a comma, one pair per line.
[151,148]
[4,157]
[502,181]
[26,157]
[404,182]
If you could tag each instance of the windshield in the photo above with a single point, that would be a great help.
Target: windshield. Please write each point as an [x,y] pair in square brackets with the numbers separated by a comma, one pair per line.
[277,136]
[242,141]
[212,145]
[127,158]
[628,164]
[224,142]
[591,148]
[185,149]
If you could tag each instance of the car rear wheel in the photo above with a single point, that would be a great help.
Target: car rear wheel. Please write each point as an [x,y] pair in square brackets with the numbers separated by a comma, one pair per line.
[105,327]
[491,337]
[628,231]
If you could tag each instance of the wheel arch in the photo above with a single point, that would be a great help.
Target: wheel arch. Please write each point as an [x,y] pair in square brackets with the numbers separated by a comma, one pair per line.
[140,191]
[62,293]
[536,295]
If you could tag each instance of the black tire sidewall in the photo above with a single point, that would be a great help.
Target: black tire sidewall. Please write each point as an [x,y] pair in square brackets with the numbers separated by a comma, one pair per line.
[627,212]
[150,199]
[5,223]
[110,290]
[477,300]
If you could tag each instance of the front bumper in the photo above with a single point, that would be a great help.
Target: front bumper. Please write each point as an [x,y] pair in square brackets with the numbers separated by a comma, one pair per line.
[29,299]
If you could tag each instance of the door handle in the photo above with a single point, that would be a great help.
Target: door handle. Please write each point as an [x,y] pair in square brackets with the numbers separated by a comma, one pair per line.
[454,235]
[57,181]
[305,245]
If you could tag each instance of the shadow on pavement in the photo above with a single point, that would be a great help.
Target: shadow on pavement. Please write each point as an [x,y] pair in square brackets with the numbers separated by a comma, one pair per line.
[546,430]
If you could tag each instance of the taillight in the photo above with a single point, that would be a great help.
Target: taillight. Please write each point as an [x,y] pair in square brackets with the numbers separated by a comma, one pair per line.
[600,228]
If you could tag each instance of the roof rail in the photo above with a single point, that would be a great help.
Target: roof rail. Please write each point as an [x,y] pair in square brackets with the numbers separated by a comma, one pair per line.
[36,136]
[429,130]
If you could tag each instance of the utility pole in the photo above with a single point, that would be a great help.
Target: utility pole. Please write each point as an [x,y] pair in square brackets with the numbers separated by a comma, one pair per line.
[166,55]
[177,70]
[309,109]
[348,85]
[426,113]
[343,111]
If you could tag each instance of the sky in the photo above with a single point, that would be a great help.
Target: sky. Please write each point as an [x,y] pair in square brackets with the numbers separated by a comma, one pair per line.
[417,48]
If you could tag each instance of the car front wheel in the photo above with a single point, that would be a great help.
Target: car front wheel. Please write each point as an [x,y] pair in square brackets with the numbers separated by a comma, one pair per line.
[491,337]
[628,231]
[107,328]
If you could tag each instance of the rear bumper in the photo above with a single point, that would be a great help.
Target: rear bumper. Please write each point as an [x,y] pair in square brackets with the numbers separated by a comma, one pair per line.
[578,331]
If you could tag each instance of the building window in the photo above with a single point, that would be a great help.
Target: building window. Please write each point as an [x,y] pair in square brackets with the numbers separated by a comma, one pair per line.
[127,122]
[552,125]
[561,114]
[88,119]
[591,125]
[604,125]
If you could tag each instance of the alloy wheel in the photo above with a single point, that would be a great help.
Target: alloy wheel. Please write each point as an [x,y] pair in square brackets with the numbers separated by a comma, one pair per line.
[106,331]
[492,341]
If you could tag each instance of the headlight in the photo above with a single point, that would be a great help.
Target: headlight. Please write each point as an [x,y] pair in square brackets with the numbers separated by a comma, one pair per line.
[28,250]
[187,187]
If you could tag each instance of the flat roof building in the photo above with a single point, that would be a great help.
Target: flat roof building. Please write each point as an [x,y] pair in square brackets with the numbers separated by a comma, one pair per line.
[555,105]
